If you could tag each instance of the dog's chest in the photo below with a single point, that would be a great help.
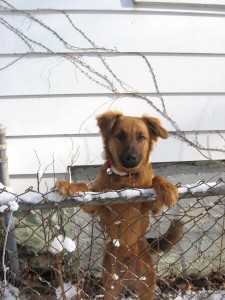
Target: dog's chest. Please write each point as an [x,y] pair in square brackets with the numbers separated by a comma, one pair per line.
[124,222]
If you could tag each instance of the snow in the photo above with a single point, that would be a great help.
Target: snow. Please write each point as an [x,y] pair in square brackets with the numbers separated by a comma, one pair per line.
[198,187]
[7,188]
[109,195]
[70,291]
[10,292]
[7,199]
[115,277]
[6,195]
[3,208]
[130,193]
[116,242]
[117,222]
[33,197]
[57,245]
[13,206]
[69,245]
[142,278]
[54,197]
[201,295]
[61,243]
[217,296]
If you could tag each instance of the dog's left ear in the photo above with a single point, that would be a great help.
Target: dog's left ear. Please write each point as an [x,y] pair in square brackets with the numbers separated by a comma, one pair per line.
[106,122]
[155,128]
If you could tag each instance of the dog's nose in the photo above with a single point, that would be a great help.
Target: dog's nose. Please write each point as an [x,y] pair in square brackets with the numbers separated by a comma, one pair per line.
[130,160]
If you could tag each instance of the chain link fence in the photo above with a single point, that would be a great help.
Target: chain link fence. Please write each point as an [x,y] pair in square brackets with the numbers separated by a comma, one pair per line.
[51,249]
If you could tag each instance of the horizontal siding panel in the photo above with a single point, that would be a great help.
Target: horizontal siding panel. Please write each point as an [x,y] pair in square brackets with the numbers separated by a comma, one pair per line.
[102,5]
[56,75]
[21,183]
[76,115]
[70,4]
[88,151]
[23,153]
[179,2]
[143,32]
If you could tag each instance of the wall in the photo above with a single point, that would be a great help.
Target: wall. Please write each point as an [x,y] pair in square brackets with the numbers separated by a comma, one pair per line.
[64,63]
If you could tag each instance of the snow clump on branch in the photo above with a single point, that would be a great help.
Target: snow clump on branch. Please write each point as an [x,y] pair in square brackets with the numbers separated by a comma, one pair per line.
[61,243]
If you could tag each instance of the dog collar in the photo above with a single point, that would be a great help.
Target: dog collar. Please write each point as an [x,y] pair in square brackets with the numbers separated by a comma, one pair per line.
[109,167]
[111,170]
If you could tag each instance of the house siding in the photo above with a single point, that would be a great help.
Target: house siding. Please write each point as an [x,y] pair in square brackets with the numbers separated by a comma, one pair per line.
[60,70]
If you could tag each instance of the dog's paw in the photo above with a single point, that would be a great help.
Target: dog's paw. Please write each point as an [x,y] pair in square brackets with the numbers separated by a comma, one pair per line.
[63,187]
[165,191]
[66,188]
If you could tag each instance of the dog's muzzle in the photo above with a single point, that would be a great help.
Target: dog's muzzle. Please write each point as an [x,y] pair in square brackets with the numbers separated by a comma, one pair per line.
[130,160]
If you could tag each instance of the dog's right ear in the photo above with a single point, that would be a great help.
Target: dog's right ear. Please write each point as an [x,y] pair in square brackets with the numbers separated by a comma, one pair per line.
[106,122]
[155,128]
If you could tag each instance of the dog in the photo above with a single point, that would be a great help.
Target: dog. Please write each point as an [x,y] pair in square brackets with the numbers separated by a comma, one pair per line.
[128,255]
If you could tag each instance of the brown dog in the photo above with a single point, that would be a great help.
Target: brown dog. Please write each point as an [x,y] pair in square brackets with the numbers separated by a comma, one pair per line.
[127,260]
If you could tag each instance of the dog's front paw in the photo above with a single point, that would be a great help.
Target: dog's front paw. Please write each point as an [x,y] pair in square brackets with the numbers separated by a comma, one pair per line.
[66,188]
[63,187]
[165,191]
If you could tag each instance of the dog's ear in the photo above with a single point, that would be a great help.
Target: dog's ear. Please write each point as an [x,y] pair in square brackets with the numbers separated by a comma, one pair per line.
[155,128]
[106,122]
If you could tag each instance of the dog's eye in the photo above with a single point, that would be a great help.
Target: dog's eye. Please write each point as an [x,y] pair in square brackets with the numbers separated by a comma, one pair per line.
[141,138]
[120,136]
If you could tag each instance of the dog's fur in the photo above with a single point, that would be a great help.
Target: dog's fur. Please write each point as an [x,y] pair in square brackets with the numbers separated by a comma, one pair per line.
[128,142]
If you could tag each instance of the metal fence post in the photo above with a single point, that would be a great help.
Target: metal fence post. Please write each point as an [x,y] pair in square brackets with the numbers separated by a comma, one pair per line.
[9,222]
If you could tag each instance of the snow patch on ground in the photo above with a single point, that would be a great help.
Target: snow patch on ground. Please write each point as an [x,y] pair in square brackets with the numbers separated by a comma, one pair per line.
[12,293]
[202,295]
[70,291]
[9,292]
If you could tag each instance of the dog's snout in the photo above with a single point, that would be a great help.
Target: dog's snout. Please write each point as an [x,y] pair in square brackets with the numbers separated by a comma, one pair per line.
[130,159]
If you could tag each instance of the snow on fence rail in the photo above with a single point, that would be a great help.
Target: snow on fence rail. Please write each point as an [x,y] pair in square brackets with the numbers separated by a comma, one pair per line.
[59,248]
[50,199]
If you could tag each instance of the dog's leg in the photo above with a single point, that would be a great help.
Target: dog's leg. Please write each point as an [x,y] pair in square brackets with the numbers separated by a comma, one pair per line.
[112,286]
[146,282]
[167,194]
[112,291]
[110,278]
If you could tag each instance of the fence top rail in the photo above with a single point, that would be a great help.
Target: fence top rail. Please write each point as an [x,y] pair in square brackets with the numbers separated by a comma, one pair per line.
[31,199]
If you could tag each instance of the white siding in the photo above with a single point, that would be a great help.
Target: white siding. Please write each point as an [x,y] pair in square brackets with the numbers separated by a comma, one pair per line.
[135,32]
[56,75]
[55,78]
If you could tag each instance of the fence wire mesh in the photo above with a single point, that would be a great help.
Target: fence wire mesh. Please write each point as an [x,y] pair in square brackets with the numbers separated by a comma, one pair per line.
[59,248]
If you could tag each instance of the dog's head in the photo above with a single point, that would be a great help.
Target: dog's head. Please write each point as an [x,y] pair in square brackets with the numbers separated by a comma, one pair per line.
[129,140]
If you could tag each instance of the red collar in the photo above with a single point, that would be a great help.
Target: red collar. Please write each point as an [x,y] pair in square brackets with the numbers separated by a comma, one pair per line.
[108,164]
[111,170]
